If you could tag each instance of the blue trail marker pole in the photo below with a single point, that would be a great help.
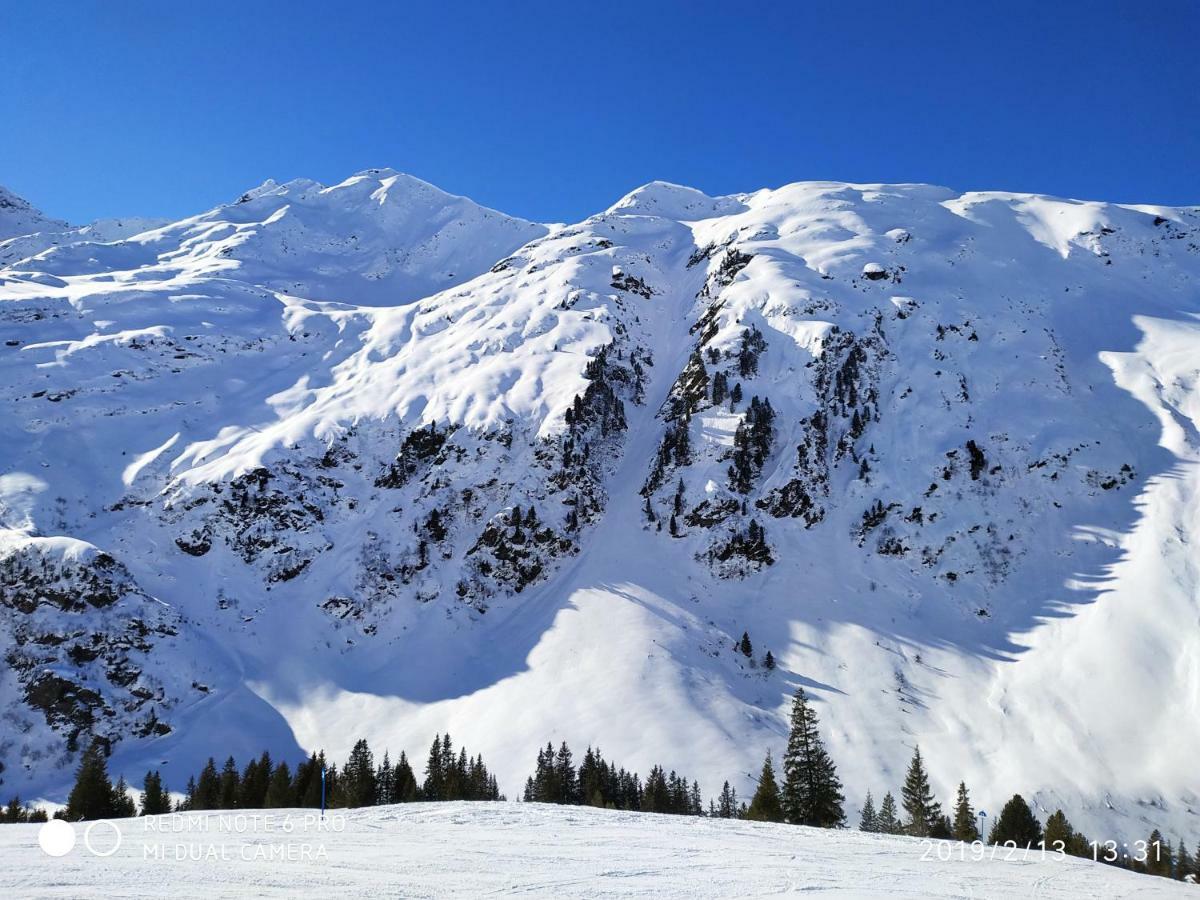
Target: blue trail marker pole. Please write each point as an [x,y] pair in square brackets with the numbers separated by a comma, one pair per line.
[322,792]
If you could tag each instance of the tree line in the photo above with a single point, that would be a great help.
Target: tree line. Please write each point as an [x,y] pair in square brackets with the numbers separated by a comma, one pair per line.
[808,791]
[811,794]
[596,782]
[265,784]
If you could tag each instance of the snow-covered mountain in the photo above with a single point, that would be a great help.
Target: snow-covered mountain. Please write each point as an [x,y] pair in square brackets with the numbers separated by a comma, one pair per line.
[19,217]
[371,460]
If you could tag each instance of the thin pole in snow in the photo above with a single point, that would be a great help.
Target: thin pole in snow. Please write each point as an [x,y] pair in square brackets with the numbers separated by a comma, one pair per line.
[322,792]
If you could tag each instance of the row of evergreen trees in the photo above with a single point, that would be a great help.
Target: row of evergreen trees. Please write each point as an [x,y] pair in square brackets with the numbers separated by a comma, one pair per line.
[263,784]
[596,782]
[810,793]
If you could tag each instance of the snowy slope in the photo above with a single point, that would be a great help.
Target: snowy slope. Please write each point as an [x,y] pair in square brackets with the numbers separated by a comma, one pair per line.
[103,231]
[18,217]
[461,849]
[301,425]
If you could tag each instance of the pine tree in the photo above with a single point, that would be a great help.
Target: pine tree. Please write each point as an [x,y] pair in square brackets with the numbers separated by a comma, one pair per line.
[404,781]
[208,788]
[720,388]
[769,662]
[745,646]
[868,821]
[965,828]
[252,792]
[435,775]
[279,789]
[812,792]
[123,806]
[156,800]
[1058,833]
[230,782]
[1183,862]
[942,828]
[358,777]
[888,822]
[92,795]
[727,808]
[765,804]
[922,809]
[1158,855]
[564,776]
[1016,823]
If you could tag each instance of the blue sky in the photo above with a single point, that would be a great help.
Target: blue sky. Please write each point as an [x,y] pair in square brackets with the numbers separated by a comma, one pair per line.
[554,110]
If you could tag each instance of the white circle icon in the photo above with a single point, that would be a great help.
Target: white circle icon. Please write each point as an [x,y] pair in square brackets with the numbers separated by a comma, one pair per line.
[87,838]
[56,837]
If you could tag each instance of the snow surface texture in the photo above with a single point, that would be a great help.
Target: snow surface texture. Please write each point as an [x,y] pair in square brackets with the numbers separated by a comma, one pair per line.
[260,467]
[465,849]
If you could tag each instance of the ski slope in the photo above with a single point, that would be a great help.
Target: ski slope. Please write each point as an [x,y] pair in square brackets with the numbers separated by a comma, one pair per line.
[461,849]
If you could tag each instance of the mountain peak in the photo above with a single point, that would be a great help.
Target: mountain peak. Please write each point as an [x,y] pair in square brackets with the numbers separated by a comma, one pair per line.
[675,201]
[18,216]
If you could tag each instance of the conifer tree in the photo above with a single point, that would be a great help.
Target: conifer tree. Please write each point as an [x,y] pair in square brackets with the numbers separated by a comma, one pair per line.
[868,821]
[208,787]
[252,792]
[564,776]
[727,808]
[435,775]
[942,828]
[404,781]
[888,822]
[279,788]
[229,784]
[765,805]
[965,828]
[123,806]
[358,777]
[1016,823]
[812,792]
[744,645]
[769,662]
[156,800]
[92,795]
[1158,855]
[1183,861]
[922,809]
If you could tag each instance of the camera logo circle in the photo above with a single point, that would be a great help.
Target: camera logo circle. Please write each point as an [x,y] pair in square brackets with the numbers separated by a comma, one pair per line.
[56,838]
[101,850]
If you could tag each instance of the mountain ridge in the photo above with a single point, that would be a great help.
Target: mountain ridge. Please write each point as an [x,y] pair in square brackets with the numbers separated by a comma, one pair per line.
[965,438]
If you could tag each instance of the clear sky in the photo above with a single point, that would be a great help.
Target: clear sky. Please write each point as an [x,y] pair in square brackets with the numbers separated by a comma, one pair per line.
[552,110]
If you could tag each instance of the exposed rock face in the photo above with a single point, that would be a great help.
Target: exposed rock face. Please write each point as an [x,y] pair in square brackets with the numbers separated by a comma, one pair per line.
[374,447]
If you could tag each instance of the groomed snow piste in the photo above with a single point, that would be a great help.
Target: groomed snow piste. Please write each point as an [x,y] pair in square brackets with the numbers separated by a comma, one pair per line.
[484,849]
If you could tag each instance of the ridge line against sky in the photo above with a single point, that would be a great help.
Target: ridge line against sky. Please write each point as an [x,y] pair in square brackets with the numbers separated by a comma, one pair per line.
[551,114]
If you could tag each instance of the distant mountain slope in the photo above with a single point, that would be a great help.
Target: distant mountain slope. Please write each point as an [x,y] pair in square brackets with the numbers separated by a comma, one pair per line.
[382,462]
[18,217]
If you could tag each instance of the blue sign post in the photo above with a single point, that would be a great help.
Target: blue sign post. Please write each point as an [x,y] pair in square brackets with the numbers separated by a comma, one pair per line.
[322,792]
